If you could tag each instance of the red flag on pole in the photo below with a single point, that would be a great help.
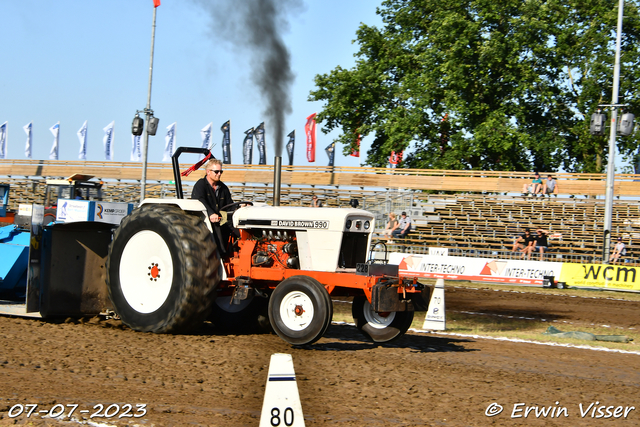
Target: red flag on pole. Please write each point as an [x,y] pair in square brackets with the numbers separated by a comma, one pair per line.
[156,3]
[395,158]
[356,152]
[310,132]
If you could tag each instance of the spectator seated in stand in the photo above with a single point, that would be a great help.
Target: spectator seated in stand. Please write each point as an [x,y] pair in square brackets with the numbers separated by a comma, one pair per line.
[541,242]
[619,250]
[523,243]
[550,186]
[391,226]
[535,187]
[404,227]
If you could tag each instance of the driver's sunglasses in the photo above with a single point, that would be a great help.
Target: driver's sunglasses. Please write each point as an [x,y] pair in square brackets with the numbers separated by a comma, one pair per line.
[215,171]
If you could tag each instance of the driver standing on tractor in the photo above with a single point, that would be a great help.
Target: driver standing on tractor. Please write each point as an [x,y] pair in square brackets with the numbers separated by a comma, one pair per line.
[214,195]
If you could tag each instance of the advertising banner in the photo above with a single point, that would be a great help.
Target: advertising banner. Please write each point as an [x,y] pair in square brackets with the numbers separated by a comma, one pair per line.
[107,140]
[72,210]
[517,272]
[82,137]
[310,132]
[27,129]
[476,269]
[262,149]
[291,145]
[88,210]
[226,142]
[604,276]
[112,213]
[55,130]
[169,142]
[247,147]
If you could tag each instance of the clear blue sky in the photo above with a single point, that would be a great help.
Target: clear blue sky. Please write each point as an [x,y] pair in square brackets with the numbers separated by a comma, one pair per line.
[71,61]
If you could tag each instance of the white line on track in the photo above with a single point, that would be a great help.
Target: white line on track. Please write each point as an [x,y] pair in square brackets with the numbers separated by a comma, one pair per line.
[516,340]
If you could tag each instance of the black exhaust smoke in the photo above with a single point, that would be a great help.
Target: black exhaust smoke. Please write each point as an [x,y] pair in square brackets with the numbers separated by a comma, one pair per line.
[255,25]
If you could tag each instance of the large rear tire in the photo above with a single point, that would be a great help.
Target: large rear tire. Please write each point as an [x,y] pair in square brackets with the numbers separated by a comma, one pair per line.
[300,310]
[379,327]
[162,270]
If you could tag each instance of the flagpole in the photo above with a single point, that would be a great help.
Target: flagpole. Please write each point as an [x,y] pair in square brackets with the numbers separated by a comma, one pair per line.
[609,189]
[148,113]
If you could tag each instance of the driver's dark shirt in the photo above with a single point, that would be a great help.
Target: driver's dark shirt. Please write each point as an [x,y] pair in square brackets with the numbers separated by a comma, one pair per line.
[212,200]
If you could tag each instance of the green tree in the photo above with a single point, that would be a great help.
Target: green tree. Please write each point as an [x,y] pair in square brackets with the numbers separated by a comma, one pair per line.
[480,84]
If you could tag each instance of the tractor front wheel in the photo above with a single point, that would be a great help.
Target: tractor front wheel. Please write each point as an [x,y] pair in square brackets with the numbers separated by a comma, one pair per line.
[162,270]
[379,327]
[300,310]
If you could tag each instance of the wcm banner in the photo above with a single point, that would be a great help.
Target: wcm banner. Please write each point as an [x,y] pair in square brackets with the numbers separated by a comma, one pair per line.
[606,276]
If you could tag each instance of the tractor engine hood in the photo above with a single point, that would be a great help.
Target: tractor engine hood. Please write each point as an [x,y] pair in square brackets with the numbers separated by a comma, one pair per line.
[328,239]
[304,218]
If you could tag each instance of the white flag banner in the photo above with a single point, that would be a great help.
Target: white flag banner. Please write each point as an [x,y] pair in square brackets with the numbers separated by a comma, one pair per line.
[108,141]
[170,141]
[3,140]
[205,132]
[82,136]
[27,129]
[55,130]
[135,148]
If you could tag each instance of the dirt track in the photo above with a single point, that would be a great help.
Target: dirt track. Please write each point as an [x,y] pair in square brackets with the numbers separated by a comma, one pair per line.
[420,380]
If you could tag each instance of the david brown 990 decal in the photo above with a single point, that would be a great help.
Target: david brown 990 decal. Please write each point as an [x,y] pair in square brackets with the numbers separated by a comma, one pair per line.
[299,223]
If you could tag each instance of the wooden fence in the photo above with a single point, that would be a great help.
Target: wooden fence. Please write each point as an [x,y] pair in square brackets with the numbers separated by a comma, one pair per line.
[369,177]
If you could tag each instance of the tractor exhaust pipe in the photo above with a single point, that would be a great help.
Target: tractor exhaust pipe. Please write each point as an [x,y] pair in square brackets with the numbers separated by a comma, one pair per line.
[277,180]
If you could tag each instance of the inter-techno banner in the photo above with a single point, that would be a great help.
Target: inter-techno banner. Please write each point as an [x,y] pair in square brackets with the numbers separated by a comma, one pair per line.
[476,269]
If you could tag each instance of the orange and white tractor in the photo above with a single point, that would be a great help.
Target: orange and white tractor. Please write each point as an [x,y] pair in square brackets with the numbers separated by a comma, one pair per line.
[166,274]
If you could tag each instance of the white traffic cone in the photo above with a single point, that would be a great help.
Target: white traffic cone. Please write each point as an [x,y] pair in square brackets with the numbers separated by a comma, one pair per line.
[435,319]
[281,406]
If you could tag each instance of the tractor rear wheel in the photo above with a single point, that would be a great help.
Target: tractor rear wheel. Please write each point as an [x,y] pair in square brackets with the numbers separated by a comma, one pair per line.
[300,310]
[379,327]
[162,270]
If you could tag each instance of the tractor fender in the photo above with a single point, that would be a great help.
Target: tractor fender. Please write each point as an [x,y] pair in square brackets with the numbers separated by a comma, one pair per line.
[187,205]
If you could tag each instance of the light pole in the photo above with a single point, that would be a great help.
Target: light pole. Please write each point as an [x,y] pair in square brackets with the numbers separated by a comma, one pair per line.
[608,206]
[149,115]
